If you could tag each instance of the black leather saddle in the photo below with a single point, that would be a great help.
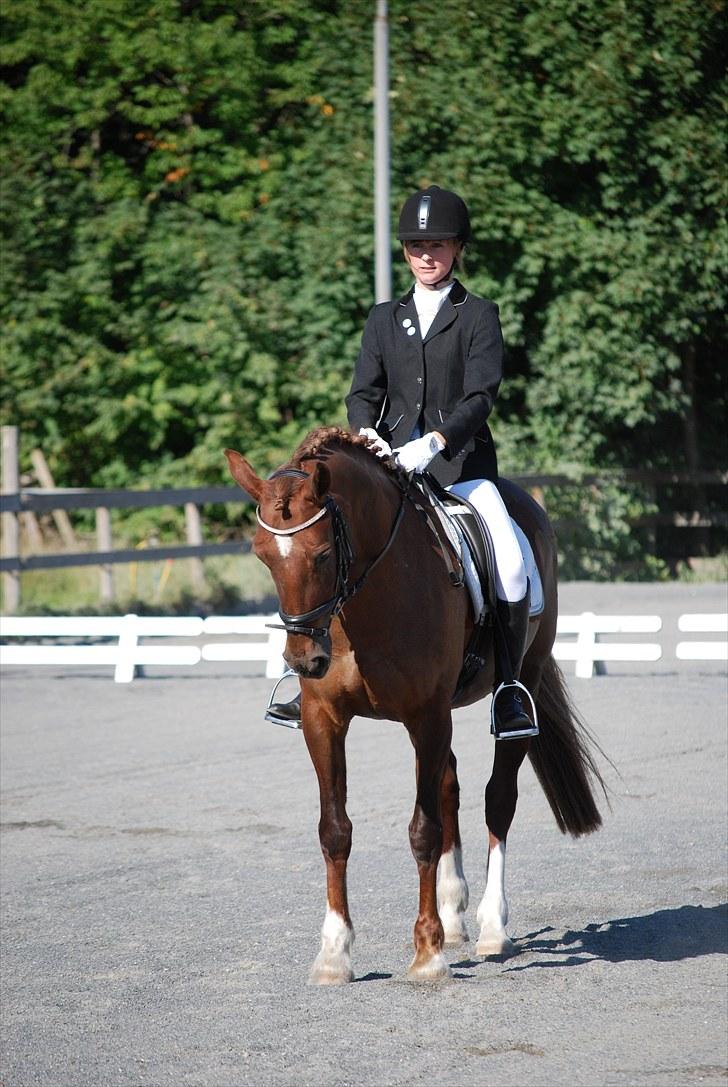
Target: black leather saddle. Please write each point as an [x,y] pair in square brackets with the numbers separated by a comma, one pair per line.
[471,528]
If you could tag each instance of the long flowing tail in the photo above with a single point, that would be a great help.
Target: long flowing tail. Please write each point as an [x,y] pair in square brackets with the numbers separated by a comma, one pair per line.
[563,759]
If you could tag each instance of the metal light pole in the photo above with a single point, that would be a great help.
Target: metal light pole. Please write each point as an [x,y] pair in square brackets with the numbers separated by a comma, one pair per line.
[382,245]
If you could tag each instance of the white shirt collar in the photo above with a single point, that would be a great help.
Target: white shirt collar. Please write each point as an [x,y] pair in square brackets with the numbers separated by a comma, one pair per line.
[430,301]
[427,304]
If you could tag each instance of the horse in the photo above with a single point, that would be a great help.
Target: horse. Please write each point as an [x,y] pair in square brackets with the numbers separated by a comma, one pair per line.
[376,628]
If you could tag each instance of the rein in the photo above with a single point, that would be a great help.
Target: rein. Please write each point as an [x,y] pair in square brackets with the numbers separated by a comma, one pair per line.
[343,590]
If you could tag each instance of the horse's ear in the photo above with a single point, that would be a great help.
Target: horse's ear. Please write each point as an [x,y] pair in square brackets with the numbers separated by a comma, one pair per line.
[243,474]
[319,482]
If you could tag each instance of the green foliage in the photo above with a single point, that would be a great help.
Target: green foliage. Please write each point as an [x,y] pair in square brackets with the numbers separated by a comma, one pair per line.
[596,534]
[188,236]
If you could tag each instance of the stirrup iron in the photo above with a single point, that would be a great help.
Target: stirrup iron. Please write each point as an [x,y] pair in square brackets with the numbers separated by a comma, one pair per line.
[272,716]
[518,733]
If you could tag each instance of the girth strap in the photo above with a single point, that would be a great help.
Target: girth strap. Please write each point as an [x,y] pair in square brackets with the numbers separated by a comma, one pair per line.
[471,526]
[446,547]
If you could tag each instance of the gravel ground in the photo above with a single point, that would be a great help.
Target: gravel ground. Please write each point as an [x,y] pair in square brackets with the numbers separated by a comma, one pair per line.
[163,890]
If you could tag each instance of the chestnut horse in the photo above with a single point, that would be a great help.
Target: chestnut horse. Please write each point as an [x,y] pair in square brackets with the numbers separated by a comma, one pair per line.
[376,628]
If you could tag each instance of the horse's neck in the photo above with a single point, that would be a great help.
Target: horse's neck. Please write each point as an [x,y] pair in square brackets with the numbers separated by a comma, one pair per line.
[371,497]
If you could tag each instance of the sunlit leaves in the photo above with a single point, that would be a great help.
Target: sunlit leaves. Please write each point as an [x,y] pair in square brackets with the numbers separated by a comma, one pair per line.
[188,220]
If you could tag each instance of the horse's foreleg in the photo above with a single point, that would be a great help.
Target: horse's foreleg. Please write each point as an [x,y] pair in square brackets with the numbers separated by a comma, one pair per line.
[501,795]
[425,831]
[332,965]
[452,888]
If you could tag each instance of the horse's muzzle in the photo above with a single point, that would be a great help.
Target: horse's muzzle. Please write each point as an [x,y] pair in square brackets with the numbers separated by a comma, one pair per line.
[310,659]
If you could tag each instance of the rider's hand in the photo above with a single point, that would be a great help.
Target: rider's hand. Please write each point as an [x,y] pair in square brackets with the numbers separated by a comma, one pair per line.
[417,454]
[379,446]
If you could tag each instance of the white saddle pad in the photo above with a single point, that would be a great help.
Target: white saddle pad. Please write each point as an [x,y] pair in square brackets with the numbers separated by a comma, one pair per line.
[532,573]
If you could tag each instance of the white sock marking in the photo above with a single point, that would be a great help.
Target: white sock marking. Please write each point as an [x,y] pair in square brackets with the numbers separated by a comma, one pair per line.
[452,895]
[333,962]
[493,910]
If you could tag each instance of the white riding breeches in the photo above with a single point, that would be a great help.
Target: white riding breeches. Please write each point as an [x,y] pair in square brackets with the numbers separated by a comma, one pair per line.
[511,581]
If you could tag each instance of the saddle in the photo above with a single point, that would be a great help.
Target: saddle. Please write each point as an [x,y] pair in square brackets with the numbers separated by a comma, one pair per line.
[467,534]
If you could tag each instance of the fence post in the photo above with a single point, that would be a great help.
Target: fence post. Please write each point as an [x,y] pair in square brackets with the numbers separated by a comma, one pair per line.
[10,521]
[586,640]
[104,543]
[193,524]
[30,523]
[44,477]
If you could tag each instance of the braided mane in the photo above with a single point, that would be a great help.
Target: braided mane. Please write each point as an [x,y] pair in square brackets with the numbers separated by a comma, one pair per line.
[327,439]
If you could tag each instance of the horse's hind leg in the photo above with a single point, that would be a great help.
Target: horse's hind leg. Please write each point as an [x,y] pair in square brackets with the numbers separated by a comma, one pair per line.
[332,965]
[501,795]
[432,746]
[452,888]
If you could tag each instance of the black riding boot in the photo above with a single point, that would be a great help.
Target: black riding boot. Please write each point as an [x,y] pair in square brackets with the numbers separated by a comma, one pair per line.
[510,719]
[285,713]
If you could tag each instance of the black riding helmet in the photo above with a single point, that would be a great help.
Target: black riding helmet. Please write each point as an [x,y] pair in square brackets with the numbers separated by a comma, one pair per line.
[434,213]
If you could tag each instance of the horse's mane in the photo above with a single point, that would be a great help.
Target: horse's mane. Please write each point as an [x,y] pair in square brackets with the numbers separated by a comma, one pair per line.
[328,439]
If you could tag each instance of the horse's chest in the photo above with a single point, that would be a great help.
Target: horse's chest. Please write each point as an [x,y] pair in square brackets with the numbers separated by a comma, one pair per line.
[365,680]
[347,669]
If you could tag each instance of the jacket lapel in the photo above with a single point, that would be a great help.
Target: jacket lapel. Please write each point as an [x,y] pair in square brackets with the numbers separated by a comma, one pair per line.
[448,311]
[408,327]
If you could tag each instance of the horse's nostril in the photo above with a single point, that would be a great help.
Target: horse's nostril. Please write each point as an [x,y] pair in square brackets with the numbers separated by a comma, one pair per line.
[314,667]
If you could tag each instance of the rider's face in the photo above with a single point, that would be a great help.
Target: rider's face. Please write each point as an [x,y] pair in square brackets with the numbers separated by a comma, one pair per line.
[430,260]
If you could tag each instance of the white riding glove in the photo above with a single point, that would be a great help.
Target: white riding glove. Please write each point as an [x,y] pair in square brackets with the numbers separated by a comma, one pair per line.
[379,446]
[417,454]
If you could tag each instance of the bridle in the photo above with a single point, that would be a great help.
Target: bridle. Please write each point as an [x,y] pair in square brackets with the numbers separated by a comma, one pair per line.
[343,590]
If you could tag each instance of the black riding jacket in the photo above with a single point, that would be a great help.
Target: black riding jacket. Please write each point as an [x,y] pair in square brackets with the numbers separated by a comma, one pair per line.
[448,382]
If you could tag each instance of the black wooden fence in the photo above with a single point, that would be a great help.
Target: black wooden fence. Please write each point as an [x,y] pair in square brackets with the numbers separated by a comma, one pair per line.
[17,501]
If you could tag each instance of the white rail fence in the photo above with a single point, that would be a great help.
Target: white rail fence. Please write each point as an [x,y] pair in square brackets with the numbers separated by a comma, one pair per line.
[126,654]
[591,654]
[702,624]
[579,639]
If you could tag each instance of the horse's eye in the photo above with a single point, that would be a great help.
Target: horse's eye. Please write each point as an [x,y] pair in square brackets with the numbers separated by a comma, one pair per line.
[322,557]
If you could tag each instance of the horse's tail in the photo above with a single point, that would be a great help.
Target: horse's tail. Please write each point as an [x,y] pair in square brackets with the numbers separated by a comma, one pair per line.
[563,759]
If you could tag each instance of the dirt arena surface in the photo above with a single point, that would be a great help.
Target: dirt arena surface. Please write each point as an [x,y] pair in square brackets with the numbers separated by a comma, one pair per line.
[163,890]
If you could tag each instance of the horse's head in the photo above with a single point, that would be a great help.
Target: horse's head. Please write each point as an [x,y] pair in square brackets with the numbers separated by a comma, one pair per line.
[297,540]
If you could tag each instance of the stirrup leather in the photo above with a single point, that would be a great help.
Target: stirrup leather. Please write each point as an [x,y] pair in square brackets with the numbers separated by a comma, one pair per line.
[272,716]
[518,733]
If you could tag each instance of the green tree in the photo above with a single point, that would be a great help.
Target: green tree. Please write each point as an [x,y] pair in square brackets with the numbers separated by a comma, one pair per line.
[187,214]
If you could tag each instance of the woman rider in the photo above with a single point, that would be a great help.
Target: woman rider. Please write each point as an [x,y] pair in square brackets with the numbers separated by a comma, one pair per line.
[425,382]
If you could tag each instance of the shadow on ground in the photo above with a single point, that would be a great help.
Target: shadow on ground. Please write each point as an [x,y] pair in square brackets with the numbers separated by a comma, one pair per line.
[686,932]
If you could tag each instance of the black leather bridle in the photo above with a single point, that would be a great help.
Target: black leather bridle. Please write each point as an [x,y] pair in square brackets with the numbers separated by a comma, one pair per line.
[343,590]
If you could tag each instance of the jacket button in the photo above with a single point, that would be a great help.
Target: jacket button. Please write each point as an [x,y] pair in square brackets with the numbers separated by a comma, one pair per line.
[418,406]
[419,380]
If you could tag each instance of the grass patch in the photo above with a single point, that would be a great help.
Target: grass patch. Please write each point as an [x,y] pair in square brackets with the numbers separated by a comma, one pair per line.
[709,568]
[234,584]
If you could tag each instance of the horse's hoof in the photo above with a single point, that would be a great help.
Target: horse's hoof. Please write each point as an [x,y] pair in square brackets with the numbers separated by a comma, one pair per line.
[456,936]
[452,940]
[330,975]
[496,947]
[456,933]
[434,968]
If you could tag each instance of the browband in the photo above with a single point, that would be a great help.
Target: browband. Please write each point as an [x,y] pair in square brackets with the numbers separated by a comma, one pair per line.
[289,531]
[296,528]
